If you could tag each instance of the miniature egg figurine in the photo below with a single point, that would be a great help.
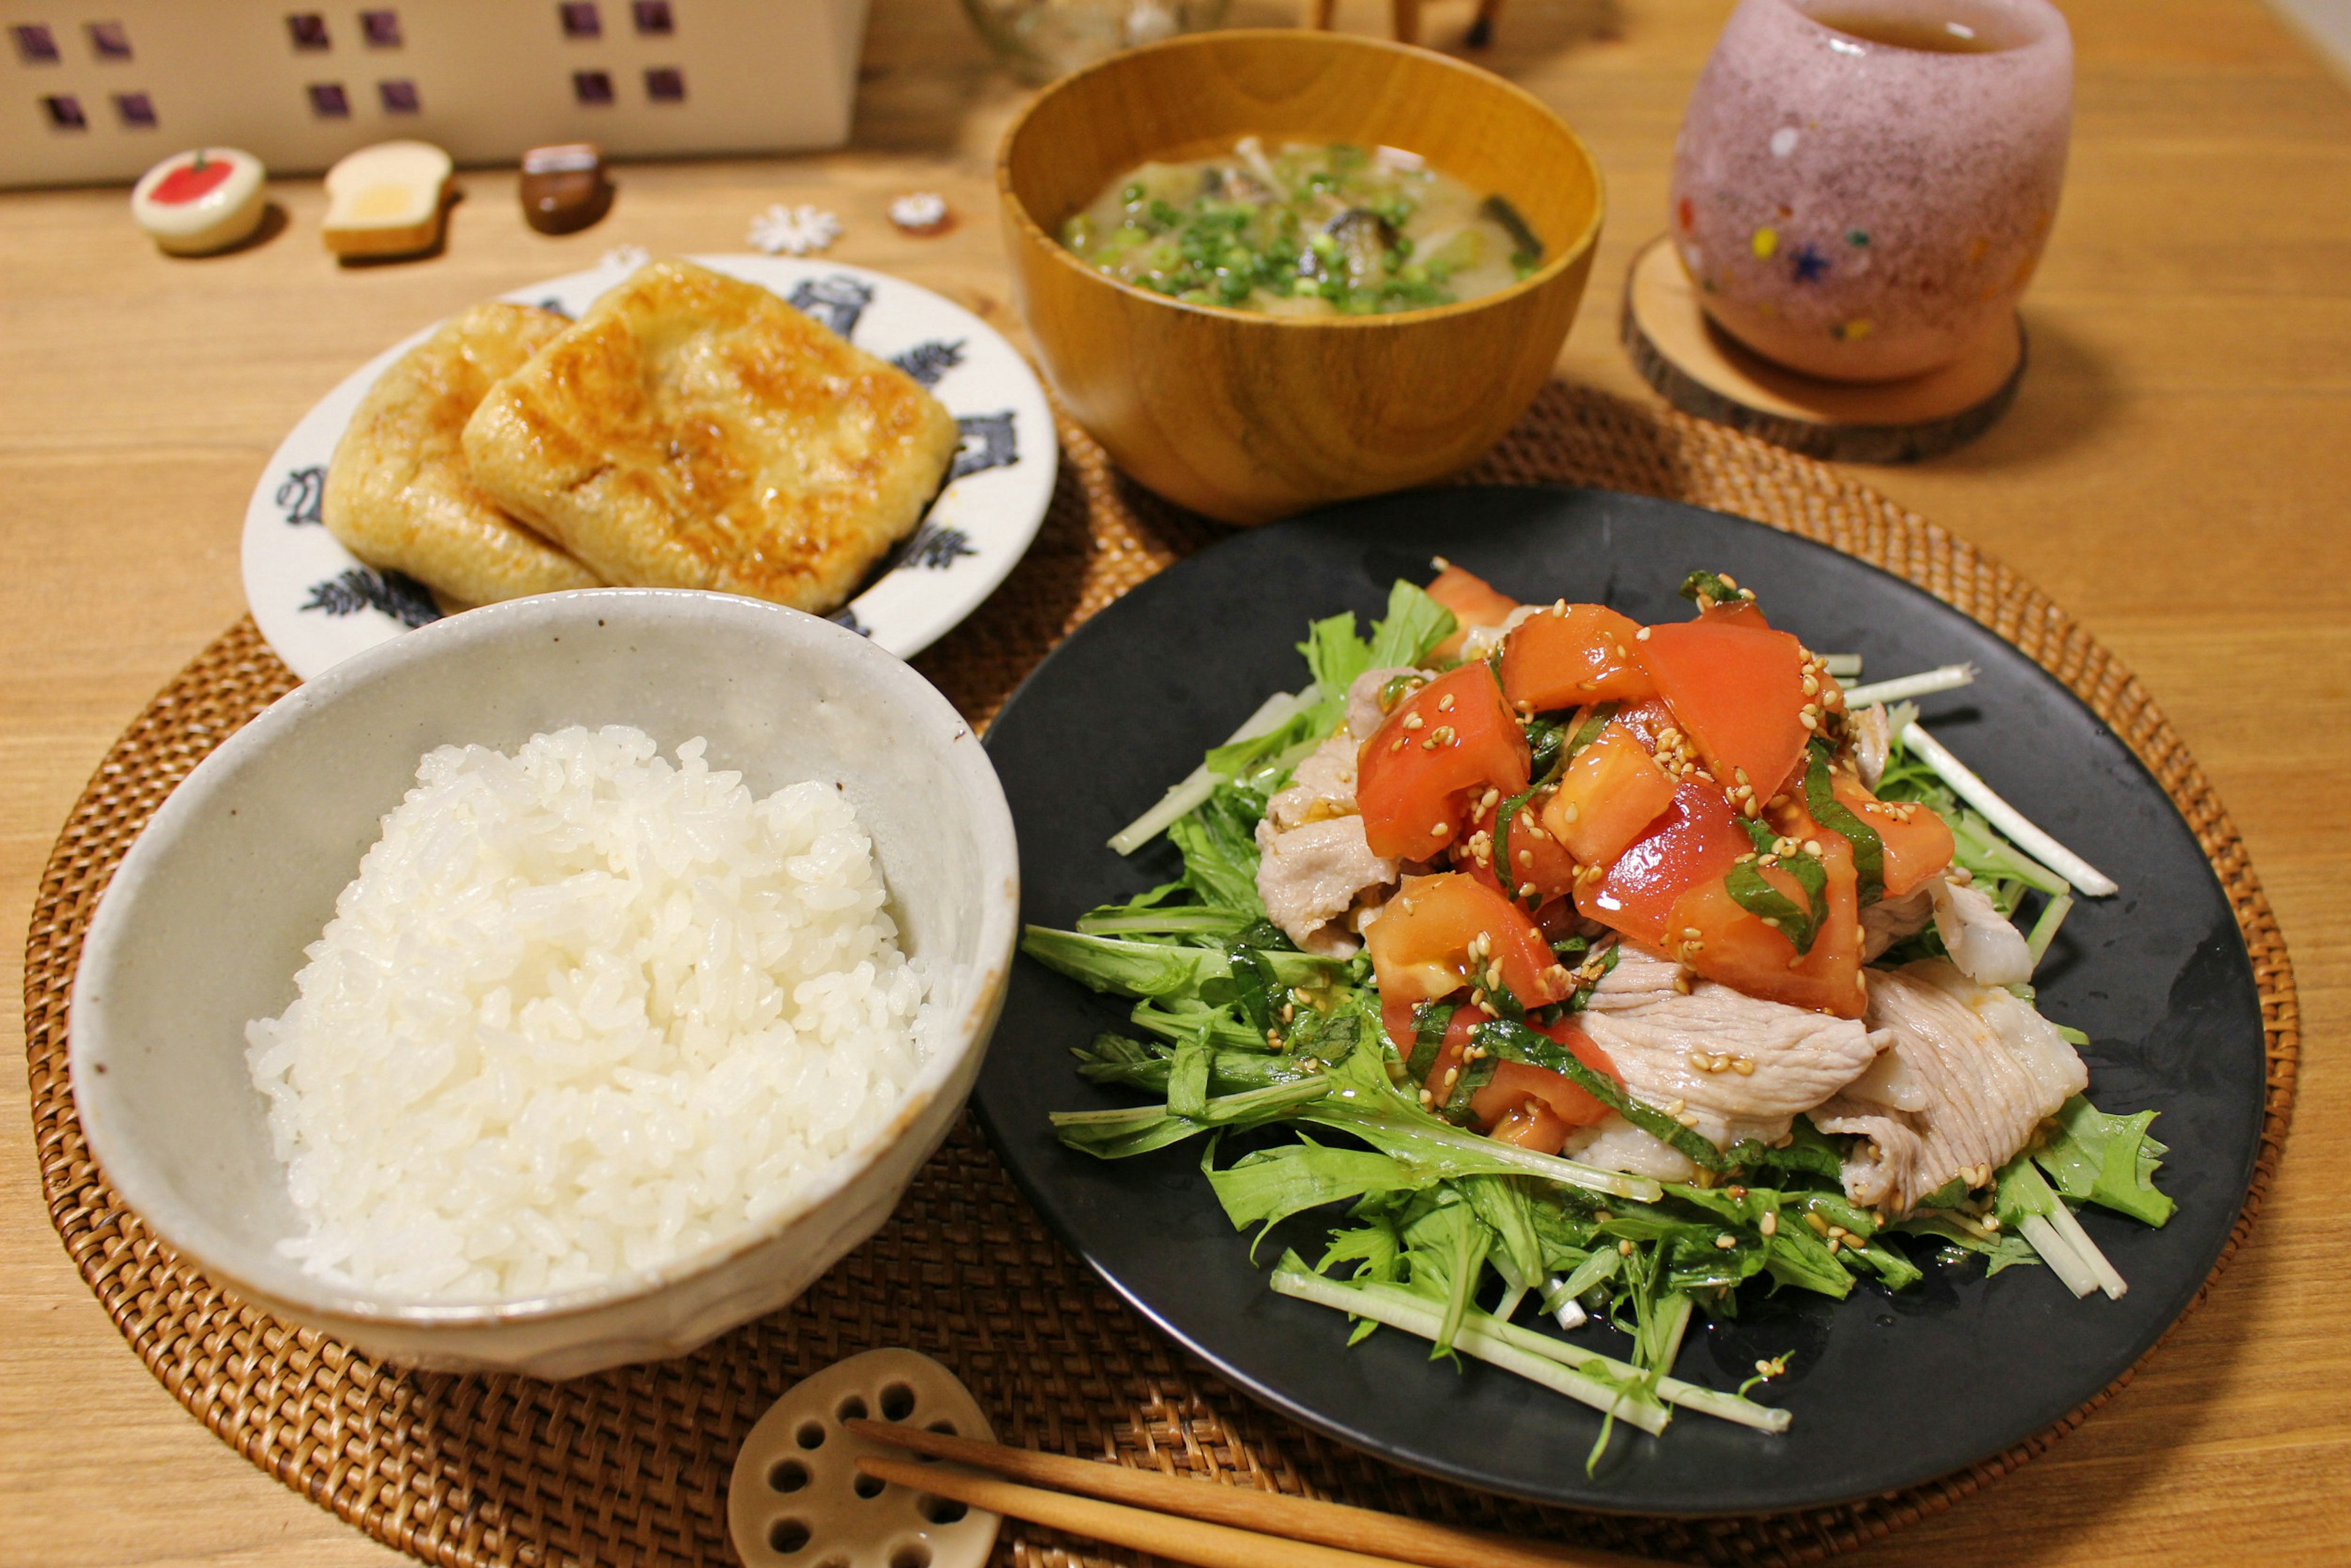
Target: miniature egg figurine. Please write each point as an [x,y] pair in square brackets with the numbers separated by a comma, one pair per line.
[193,204]
[564,188]
[387,200]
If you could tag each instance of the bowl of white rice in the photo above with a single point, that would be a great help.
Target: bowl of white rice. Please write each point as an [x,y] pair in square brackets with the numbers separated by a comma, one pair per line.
[557,986]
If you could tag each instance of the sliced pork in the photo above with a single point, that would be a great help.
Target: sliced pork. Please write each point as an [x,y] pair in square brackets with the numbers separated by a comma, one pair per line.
[1983,944]
[1892,920]
[1364,713]
[1873,743]
[1728,1066]
[1977,1070]
[1313,859]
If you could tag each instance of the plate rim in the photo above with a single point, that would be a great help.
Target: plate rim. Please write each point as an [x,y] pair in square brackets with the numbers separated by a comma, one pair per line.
[2240,1184]
[1040,454]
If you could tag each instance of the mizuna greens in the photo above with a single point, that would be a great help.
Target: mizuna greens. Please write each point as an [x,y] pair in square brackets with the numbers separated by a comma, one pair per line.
[1442,1233]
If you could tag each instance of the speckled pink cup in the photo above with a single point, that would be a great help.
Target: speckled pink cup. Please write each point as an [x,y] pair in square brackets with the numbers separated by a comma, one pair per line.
[1864,211]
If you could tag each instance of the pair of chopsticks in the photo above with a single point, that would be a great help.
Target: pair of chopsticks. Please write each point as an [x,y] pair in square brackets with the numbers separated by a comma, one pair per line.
[1195,1521]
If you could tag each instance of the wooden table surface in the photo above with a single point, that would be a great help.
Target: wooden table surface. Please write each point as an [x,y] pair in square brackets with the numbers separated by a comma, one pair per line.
[2176,473]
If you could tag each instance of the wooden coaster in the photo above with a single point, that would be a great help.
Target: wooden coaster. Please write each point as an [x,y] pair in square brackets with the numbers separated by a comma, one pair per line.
[1702,370]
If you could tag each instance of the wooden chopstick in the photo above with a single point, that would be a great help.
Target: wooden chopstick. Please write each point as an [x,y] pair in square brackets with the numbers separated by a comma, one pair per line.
[1354,1530]
[1162,1535]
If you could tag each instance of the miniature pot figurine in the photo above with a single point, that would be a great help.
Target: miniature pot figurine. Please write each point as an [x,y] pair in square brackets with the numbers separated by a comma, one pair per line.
[1862,187]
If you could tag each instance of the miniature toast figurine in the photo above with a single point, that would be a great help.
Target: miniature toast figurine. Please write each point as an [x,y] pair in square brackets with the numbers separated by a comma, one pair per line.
[387,200]
[398,494]
[693,431]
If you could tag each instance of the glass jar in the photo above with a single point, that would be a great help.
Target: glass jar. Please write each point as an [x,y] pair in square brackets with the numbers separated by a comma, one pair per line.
[1042,39]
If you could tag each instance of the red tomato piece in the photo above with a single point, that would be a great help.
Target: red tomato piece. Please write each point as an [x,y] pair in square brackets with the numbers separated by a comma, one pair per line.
[1734,613]
[1736,692]
[1559,661]
[1474,602]
[1529,1122]
[1607,798]
[1414,778]
[1918,841]
[1739,949]
[1422,942]
[1698,841]
[1538,859]
[1648,720]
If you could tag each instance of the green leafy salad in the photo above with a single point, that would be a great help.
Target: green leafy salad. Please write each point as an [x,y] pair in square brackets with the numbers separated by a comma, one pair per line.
[1579,1277]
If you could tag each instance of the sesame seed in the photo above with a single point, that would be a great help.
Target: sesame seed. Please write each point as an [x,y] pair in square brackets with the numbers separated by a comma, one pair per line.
[1743,1065]
[1817,1223]
[1427,1098]
[1526,890]
[1834,1244]
[1808,721]
[1413,721]
[1642,635]
[1625,1249]
[1770,1225]
[1429,745]
[1726,1242]
[1812,846]
[1688,1118]
[1442,830]
[1445,703]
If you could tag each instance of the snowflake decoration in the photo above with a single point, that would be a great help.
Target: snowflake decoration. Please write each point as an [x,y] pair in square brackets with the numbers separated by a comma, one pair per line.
[922,213]
[625,257]
[794,231]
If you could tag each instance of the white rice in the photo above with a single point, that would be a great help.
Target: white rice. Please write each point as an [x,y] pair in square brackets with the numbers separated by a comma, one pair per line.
[584,1012]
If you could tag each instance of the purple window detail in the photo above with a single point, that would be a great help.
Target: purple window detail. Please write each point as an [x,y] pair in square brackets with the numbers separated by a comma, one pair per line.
[580,20]
[666,84]
[330,101]
[36,45]
[592,88]
[65,112]
[110,40]
[399,96]
[381,29]
[308,30]
[136,110]
[653,17]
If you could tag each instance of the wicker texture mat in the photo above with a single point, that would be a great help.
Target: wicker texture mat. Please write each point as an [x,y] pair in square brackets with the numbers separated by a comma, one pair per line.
[631,1467]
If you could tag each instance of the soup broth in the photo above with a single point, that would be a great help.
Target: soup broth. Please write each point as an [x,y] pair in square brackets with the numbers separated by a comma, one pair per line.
[1310,229]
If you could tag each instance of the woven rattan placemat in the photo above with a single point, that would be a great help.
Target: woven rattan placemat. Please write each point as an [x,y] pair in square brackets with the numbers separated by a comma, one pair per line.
[631,1467]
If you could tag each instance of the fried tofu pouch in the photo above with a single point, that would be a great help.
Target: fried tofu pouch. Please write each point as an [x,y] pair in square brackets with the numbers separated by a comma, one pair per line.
[693,431]
[398,492]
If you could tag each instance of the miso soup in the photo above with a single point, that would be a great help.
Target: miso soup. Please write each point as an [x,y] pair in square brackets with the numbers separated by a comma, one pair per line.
[1310,229]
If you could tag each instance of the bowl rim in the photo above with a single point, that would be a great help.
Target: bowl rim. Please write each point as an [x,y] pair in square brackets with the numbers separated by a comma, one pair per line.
[1569,255]
[171,1214]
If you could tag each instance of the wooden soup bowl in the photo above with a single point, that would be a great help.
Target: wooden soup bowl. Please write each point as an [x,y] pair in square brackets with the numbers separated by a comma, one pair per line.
[1248,417]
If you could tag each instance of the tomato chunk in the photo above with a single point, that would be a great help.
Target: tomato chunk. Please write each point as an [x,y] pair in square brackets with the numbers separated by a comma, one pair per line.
[1696,840]
[1736,692]
[1559,661]
[1474,602]
[1414,775]
[1738,949]
[1516,1081]
[1918,841]
[1422,944]
[1538,860]
[1531,1106]
[1607,798]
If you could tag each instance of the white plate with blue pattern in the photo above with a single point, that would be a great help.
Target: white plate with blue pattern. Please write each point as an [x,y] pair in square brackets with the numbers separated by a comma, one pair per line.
[318,605]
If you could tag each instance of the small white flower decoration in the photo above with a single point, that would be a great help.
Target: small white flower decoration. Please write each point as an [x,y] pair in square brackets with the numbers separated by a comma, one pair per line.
[794,231]
[919,213]
[625,257]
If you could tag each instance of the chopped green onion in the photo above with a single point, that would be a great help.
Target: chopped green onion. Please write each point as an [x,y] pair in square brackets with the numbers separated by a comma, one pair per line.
[1843,667]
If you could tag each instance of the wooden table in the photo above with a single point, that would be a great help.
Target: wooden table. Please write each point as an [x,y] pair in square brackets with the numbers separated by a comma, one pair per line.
[2176,473]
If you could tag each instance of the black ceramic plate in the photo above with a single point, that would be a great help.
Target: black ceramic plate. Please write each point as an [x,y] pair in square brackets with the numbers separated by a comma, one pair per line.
[1887,1390]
